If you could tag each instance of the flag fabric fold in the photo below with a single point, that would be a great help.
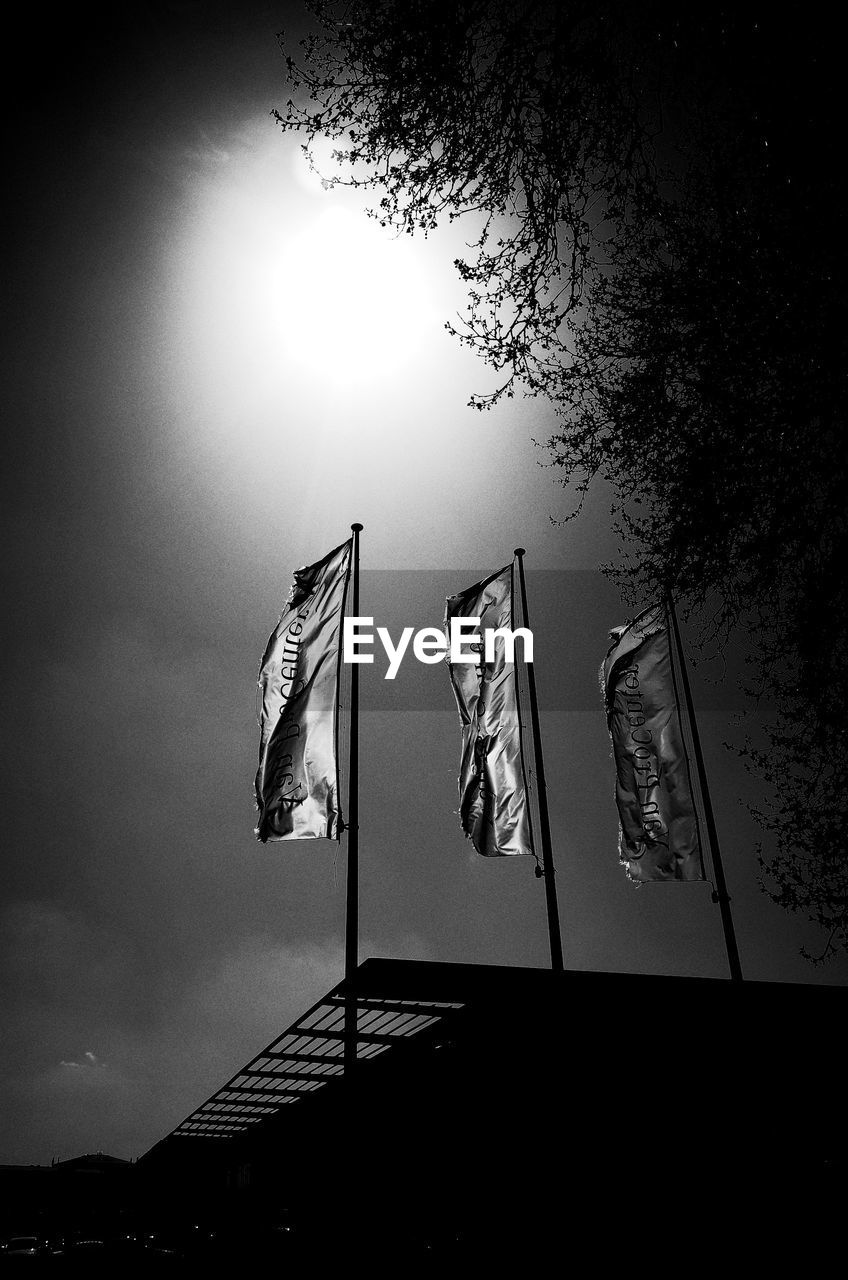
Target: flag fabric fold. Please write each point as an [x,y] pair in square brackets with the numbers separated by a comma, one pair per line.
[297,783]
[493,805]
[658,826]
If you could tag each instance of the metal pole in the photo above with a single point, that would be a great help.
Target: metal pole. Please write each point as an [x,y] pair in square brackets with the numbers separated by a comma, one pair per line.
[352,897]
[549,874]
[721,895]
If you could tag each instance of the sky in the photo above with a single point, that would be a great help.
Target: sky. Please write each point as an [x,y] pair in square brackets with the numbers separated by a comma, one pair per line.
[213,367]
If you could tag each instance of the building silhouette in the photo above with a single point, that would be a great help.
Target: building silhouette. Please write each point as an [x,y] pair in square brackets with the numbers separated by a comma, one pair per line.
[493,1113]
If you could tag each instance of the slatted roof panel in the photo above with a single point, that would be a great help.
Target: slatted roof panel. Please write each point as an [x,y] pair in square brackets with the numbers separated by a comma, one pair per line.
[309,1057]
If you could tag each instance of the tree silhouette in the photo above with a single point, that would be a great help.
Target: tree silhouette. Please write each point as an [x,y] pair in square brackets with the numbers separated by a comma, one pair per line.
[658,250]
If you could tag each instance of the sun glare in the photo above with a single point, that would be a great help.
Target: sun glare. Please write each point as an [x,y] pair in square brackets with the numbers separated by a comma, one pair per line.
[284,293]
[353,303]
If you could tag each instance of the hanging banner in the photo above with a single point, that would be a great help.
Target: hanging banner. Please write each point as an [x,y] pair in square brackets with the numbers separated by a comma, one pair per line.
[658,826]
[297,783]
[493,806]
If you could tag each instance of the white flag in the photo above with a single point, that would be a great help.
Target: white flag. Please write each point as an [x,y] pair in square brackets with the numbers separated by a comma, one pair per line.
[297,783]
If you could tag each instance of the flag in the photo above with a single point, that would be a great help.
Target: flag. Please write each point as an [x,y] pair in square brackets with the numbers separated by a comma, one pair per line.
[493,806]
[297,783]
[658,826]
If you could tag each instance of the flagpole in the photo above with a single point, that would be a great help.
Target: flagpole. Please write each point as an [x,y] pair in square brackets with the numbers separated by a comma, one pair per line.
[352,896]
[548,872]
[721,896]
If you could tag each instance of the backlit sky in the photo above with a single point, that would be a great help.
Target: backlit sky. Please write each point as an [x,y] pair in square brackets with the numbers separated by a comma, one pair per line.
[213,367]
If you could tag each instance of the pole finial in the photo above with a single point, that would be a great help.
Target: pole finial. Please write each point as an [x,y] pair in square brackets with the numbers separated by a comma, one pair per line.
[357,528]
[519,551]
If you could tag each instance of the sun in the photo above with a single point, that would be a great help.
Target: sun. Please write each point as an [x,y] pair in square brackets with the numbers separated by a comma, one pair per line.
[285,296]
[354,303]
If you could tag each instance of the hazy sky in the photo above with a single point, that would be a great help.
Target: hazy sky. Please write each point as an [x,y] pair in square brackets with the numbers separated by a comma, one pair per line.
[213,367]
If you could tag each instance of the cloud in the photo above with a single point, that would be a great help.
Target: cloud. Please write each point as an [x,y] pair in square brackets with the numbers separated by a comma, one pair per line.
[91,1061]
